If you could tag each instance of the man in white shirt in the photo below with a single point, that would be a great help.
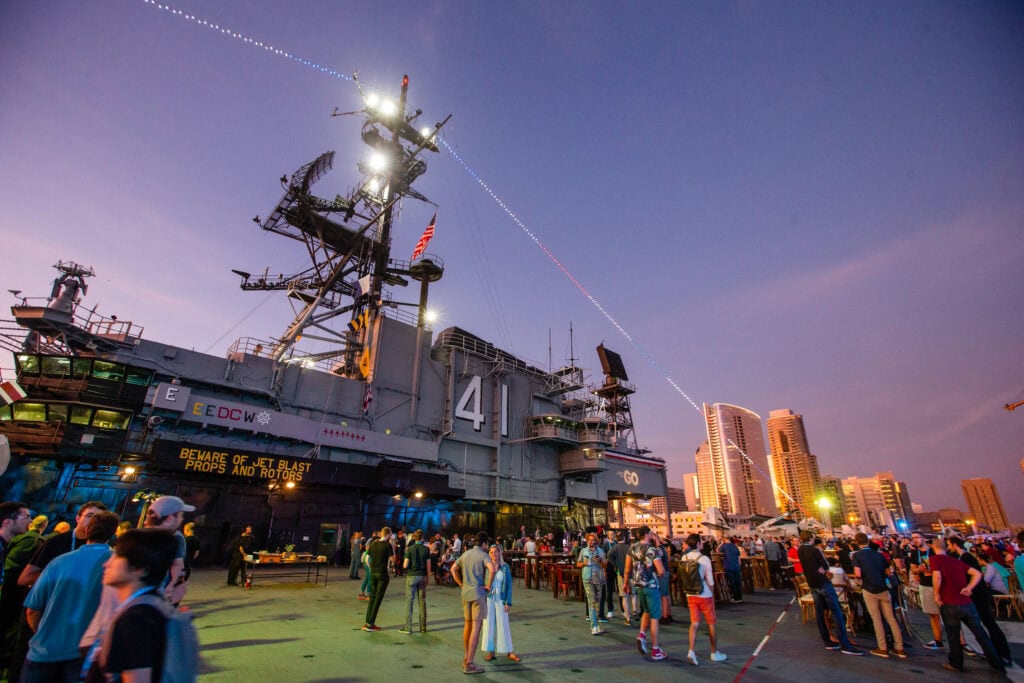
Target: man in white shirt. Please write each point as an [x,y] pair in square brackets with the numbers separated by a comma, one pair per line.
[703,603]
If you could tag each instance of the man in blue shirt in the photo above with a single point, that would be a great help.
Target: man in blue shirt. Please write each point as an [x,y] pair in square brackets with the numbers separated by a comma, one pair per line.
[61,603]
[731,563]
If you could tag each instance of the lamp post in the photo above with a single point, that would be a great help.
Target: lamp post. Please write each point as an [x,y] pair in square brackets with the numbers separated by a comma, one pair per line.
[826,506]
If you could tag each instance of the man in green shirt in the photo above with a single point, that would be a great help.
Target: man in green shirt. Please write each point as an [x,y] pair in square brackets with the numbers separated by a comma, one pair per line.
[417,567]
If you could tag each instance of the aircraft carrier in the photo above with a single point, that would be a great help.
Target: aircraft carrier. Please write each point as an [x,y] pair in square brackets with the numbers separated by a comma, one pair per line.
[393,424]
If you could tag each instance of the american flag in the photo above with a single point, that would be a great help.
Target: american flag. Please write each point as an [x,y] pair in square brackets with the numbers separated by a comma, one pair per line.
[422,244]
[367,399]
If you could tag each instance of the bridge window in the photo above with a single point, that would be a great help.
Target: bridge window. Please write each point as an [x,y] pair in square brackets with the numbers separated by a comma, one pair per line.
[81,415]
[56,366]
[5,412]
[27,363]
[57,411]
[111,419]
[29,412]
[101,369]
[81,367]
[140,378]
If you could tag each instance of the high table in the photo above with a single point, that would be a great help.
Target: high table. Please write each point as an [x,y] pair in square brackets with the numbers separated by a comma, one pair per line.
[274,568]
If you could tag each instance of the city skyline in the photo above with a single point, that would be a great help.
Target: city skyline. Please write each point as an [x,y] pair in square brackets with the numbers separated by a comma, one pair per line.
[807,206]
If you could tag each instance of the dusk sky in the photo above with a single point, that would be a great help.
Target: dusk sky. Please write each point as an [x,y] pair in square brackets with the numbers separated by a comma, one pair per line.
[807,205]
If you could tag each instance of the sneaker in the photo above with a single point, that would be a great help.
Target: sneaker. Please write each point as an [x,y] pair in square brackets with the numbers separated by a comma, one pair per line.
[934,645]
[602,620]
[404,630]
[852,651]
[372,628]
[691,657]
[899,653]
[879,653]
[719,657]
[970,651]
[641,643]
[833,646]
[597,631]
[610,614]
[657,654]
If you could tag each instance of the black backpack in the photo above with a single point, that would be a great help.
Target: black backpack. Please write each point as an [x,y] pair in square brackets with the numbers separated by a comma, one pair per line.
[690,574]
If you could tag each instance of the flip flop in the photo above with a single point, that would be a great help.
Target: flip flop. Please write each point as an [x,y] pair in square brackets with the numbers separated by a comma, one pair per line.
[489,656]
[472,669]
[514,657]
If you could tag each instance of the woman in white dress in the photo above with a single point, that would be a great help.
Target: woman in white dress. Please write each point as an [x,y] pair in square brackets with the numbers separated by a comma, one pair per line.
[495,635]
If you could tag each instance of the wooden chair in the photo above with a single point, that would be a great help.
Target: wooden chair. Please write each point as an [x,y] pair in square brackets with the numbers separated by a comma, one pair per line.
[804,597]
[1013,601]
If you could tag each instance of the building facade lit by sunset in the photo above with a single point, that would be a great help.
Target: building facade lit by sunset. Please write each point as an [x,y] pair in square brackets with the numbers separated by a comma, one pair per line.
[733,472]
[794,467]
[879,501]
[984,504]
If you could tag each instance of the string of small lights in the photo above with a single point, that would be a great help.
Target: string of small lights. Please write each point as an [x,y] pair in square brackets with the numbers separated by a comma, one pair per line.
[225,31]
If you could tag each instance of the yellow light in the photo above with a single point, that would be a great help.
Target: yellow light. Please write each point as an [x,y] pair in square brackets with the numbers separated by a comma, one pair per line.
[129,470]
[419,494]
[289,484]
[825,503]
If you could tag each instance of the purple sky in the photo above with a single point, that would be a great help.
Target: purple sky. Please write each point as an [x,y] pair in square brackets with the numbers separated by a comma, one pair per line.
[815,206]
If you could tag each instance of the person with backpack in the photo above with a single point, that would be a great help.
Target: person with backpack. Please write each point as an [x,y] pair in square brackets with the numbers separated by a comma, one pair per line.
[644,567]
[698,580]
[147,639]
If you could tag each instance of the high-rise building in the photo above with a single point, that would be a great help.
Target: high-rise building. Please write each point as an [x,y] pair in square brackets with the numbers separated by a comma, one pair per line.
[732,465]
[878,501]
[794,467]
[984,504]
[690,487]
[675,498]
[832,489]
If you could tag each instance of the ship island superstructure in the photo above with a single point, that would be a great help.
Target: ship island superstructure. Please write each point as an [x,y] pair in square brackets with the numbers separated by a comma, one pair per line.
[393,425]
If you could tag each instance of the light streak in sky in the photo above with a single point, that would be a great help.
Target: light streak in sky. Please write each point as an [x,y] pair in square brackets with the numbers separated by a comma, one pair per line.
[223,30]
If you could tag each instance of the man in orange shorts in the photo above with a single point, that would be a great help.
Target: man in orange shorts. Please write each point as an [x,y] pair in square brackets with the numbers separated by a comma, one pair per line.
[702,603]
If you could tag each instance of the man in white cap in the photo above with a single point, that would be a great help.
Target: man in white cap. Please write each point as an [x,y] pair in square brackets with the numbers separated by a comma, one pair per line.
[168,512]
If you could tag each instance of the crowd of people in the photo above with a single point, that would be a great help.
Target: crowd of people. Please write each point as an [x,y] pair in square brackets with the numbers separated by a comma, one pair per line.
[637,570]
[92,602]
[95,601]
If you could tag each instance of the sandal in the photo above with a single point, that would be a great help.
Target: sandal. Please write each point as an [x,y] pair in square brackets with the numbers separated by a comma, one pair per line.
[489,656]
[514,657]
[472,669]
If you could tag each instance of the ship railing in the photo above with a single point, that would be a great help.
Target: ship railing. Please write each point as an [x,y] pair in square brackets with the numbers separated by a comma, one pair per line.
[454,338]
[249,346]
[108,328]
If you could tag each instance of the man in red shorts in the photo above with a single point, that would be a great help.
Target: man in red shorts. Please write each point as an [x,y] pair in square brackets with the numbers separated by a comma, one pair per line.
[703,603]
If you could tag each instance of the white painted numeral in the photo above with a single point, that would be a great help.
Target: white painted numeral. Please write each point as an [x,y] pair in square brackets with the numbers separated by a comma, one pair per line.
[471,396]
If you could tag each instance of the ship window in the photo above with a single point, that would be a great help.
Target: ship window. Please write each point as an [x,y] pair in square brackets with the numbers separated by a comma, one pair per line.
[140,378]
[56,366]
[110,419]
[5,412]
[57,411]
[80,415]
[81,367]
[30,412]
[101,369]
[28,364]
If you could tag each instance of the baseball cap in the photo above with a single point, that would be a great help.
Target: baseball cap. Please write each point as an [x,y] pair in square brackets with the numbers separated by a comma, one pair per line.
[169,505]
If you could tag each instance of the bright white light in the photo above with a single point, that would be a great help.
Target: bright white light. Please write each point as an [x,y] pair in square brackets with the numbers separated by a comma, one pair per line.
[372,100]
[425,132]
[378,162]
[430,316]
[373,186]
[388,107]
[306,363]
